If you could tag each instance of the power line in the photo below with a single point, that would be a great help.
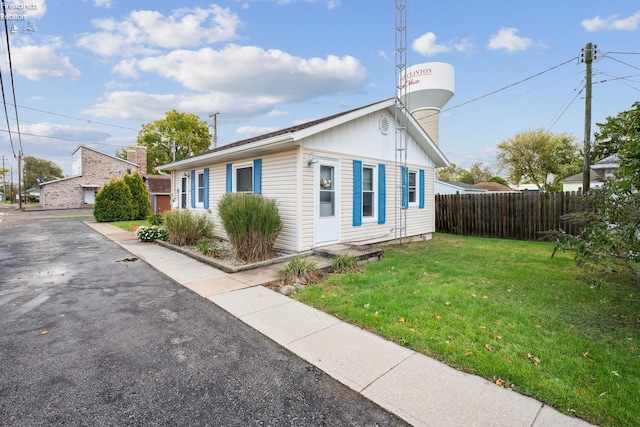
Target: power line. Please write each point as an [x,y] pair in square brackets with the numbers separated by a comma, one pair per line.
[13,86]
[77,118]
[511,85]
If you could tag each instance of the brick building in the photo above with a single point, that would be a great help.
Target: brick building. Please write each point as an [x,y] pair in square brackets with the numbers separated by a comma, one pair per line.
[90,171]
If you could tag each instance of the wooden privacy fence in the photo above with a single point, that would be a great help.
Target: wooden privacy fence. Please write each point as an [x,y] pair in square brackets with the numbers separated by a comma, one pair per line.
[520,216]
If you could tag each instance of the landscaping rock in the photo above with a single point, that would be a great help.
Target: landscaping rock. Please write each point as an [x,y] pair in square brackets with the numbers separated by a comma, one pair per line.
[287,290]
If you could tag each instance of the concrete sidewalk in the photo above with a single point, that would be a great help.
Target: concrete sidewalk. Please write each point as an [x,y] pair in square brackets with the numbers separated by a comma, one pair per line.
[418,389]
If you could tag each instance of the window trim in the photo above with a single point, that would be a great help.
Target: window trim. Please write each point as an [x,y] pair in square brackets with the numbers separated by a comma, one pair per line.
[375,192]
[235,180]
[416,187]
[200,196]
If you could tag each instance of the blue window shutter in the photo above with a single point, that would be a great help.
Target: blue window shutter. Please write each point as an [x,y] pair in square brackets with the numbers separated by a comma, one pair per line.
[404,172]
[357,193]
[421,189]
[382,194]
[229,177]
[193,189]
[206,188]
[257,176]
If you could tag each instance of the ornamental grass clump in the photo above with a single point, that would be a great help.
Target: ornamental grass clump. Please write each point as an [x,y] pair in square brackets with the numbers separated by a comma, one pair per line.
[186,228]
[252,223]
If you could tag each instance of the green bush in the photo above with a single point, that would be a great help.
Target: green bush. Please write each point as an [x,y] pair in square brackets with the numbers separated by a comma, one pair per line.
[149,234]
[155,219]
[252,223]
[139,196]
[300,270]
[114,202]
[186,228]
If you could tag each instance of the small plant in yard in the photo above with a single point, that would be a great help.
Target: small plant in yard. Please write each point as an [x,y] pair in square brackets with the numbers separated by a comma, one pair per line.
[300,270]
[344,263]
[252,223]
[150,233]
[186,228]
[207,248]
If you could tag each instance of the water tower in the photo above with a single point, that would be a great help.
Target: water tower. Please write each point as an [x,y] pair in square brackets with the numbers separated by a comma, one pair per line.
[429,87]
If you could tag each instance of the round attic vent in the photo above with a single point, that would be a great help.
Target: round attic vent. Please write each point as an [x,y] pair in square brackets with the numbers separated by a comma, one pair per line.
[383,124]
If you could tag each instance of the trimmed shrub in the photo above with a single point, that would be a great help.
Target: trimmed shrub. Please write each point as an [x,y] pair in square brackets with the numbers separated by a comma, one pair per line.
[139,195]
[114,202]
[252,223]
[155,219]
[186,228]
[149,234]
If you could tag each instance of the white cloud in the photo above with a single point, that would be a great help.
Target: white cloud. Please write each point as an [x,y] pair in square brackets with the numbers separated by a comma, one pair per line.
[252,72]
[612,23]
[251,131]
[102,3]
[426,45]
[146,31]
[36,62]
[508,40]
[465,46]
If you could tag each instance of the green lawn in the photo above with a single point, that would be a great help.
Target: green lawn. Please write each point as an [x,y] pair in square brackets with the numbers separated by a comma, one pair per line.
[129,225]
[507,311]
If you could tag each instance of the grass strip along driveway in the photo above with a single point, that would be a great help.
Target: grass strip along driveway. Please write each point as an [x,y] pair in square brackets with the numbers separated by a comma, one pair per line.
[507,311]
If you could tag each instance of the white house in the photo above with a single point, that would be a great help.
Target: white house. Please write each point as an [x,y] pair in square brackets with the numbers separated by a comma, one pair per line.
[599,171]
[336,179]
[451,187]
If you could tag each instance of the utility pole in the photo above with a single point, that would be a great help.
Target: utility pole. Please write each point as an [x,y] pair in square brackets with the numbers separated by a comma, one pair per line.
[214,138]
[587,56]
[4,180]
[19,180]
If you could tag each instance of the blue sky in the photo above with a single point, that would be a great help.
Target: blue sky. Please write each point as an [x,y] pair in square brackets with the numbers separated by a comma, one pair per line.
[94,71]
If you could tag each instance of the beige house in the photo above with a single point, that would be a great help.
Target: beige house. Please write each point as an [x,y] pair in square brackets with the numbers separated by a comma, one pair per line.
[336,179]
[90,171]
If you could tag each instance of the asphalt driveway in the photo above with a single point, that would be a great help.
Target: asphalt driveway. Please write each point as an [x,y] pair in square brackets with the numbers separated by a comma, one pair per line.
[90,337]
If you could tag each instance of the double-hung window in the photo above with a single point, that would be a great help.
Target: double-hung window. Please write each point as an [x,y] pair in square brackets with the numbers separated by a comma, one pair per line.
[244,179]
[368,192]
[200,188]
[413,187]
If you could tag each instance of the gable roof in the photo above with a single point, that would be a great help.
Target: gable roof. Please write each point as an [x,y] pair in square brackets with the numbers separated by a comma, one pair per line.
[593,177]
[493,186]
[274,141]
[461,186]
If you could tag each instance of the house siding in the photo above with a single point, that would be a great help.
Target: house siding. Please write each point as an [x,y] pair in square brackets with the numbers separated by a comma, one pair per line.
[278,182]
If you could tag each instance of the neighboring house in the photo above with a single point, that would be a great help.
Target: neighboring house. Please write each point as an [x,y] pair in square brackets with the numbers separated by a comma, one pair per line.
[494,187]
[451,187]
[91,170]
[336,179]
[599,171]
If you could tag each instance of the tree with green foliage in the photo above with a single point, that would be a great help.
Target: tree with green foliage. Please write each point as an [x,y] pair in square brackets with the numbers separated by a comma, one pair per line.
[475,174]
[499,180]
[114,202]
[139,196]
[180,134]
[538,156]
[39,170]
[610,238]
[450,173]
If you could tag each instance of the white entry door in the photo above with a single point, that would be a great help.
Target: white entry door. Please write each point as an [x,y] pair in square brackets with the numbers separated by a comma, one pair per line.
[327,202]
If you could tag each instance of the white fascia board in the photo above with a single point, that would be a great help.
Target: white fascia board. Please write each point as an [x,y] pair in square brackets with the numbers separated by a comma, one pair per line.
[234,152]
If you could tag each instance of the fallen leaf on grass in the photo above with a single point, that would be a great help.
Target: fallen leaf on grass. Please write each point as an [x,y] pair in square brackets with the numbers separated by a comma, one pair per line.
[535,360]
[615,373]
[469,353]
[488,347]
[401,320]
[500,383]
